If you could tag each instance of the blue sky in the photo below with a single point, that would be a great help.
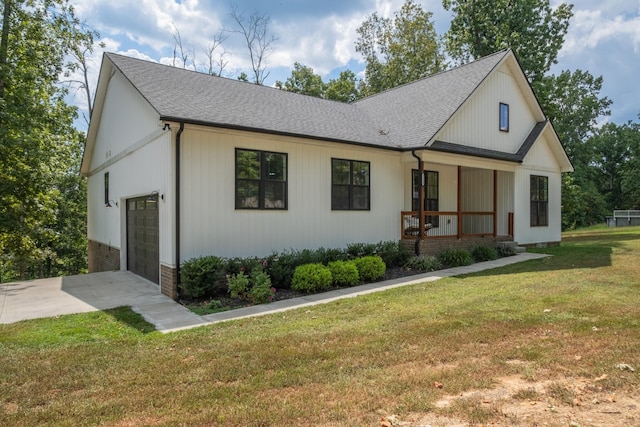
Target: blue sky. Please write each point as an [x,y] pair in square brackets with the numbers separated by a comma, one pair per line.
[603,38]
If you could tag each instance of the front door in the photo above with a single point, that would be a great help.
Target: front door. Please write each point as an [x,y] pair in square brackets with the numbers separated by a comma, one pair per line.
[143,249]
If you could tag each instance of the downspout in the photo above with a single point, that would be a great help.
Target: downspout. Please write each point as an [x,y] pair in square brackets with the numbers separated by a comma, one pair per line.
[177,206]
[416,247]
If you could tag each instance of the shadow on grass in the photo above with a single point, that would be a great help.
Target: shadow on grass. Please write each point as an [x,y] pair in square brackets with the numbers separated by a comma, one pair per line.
[131,319]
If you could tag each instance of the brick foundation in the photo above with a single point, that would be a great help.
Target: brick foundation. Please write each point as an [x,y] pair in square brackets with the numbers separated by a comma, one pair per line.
[168,281]
[103,257]
[434,246]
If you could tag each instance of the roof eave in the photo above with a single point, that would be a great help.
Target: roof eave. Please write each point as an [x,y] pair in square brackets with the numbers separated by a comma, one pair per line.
[276,132]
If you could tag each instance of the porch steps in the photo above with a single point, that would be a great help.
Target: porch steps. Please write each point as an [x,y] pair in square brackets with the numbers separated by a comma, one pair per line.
[513,246]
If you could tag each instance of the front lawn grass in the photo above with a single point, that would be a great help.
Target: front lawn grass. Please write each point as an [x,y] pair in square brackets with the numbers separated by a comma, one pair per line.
[575,314]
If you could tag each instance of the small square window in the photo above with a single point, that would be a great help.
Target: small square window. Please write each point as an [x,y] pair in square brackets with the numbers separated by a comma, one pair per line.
[504,117]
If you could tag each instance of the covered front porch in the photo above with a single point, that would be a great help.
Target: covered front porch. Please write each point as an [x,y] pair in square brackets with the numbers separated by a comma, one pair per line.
[462,206]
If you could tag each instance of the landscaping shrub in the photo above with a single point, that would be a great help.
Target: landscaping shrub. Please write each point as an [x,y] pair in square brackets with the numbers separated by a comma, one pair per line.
[311,278]
[202,277]
[281,267]
[455,257]
[246,265]
[261,291]
[393,253]
[358,250]
[484,253]
[344,273]
[255,288]
[238,285]
[426,263]
[370,268]
[504,250]
[325,256]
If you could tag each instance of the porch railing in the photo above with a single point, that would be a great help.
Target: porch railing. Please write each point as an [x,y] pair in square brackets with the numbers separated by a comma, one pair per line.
[447,224]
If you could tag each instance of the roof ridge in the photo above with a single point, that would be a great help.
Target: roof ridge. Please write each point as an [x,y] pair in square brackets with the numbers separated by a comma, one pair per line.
[229,79]
[439,73]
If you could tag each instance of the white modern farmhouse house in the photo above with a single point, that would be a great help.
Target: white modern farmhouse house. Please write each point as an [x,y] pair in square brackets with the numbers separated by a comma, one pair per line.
[182,164]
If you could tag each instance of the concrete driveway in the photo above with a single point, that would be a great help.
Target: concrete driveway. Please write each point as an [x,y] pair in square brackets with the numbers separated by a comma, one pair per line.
[92,292]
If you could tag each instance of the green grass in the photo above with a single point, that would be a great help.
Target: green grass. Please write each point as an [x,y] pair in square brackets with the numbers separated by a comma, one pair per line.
[340,363]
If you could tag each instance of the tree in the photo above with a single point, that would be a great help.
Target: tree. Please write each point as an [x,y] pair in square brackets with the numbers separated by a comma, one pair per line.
[39,147]
[571,100]
[258,39]
[304,81]
[399,50]
[215,54]
[344,88]
[532,28]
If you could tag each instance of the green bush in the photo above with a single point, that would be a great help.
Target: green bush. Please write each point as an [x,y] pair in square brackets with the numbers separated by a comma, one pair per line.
[261,291]
[393,253]
[505,251]
[370,268]
[455,257]
[344,273]
[202,277]
[238,285]
[280,267]
[484,253]
[425,263]
[244,265]
[311,278]
[359,250]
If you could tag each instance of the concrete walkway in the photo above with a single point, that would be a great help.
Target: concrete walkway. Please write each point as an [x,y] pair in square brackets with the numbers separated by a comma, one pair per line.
[99,291]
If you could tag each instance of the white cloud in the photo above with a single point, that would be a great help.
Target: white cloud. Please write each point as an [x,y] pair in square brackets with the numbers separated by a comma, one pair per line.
[590,28]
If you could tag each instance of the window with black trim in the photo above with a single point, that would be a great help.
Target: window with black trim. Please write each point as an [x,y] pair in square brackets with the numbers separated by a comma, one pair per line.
[431,194]
[504,117]
[106,188]
[261,179]
[350,185]
[539,200]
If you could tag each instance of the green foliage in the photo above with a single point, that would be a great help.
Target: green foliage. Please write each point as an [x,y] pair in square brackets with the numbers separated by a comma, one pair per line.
[484,253]
[310,278]
[357,250]
[303,81]
[255,288]
[202,277]
[42,203]
[399,50]
[505,251]
[261,291]
[344,88]
[393,253]
[532,28]
[238,285]
[370,268]
[344,273]
[425,263]
[455,257]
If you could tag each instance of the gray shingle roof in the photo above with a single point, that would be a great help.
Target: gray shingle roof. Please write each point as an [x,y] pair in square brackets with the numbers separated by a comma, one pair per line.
[402,118]
[415,112]
[519,156]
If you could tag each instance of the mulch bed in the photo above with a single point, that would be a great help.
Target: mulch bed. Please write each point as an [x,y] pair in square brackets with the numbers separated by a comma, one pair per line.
[227,303]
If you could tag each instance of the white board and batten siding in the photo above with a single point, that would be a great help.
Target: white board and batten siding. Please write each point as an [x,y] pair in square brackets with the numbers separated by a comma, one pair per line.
[132,147]
[210,224]
[482,111]
[540,161]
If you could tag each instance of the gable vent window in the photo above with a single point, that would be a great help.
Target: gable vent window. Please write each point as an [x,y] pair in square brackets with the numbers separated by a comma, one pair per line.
[504,117]
[261,180]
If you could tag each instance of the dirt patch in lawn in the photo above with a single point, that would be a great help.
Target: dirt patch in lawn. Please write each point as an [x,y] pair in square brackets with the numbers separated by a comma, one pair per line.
[514,401]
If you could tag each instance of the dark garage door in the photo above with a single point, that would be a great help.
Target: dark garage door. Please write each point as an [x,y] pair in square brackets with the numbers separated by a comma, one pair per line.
[143,248]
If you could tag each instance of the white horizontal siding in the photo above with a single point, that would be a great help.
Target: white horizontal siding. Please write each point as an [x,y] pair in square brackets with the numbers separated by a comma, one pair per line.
[210,224]
[477,123]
